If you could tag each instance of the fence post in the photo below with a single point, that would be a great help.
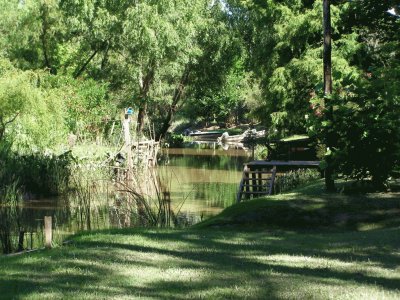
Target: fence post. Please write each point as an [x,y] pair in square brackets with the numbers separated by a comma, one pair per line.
[21,241]
[48,231]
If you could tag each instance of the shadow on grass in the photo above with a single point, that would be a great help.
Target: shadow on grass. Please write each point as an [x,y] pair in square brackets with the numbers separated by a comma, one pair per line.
[311,208]
[205,264]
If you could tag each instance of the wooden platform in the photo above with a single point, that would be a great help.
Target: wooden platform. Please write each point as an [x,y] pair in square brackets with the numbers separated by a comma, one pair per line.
[280,163]
[259,176]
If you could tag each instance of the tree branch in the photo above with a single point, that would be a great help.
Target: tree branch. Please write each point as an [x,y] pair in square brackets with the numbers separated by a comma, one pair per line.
[11,120]
[80,71]
[4,124]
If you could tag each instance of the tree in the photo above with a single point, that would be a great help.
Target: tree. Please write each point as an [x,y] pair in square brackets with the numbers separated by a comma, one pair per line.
[210,69]
[15,96]
[282,39]
[159,36]
[93,33]
[329,181]
[29,113]
[283,42]
[361,119]
[32,32]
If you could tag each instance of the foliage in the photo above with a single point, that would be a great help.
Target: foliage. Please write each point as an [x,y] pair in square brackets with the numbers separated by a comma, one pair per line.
[366,132]
[227,103]
[34,174]
[293,179]
[34,104]
[27,111]
[283,38]
[260,152]
[175,140]
[365,126]
[89,112]
[284,42]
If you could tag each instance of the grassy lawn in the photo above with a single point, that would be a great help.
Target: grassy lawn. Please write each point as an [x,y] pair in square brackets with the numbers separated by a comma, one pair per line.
[224,259]
[312,208]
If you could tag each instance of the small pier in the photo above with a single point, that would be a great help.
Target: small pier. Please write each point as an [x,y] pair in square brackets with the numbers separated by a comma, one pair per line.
[259,176]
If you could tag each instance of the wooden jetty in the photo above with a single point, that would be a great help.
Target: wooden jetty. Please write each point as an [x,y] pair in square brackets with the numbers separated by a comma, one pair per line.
[259,176]
[146,152]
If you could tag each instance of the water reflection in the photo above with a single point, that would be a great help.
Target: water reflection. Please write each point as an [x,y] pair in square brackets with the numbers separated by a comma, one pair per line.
[205,176]
[201,180]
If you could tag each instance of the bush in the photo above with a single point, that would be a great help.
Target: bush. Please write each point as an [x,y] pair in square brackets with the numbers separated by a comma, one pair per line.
[175,140]
[37,174]
[364,131]
[293,179]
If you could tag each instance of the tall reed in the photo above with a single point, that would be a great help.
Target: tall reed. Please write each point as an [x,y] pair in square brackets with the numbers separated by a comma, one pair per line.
[151,208]
[10,217]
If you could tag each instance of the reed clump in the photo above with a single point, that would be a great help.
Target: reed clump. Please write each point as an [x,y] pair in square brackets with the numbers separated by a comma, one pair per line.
[151,207]
[10,217]
[290,180]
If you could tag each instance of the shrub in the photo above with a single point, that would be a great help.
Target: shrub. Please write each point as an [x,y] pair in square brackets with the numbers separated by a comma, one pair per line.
[364,130]
[293,179]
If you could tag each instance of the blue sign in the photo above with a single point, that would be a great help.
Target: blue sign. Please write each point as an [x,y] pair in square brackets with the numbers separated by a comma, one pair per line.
[129,111]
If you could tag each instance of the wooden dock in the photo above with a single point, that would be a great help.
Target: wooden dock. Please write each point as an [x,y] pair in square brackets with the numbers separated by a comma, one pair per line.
[259,176]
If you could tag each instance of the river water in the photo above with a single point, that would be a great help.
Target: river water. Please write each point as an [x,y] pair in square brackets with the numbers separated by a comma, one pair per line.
[202,179]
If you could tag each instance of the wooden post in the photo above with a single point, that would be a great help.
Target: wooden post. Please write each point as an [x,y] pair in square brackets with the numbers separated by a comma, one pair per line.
[21,241]
[246,174]
[254,181]
[48,231]
[128,145]
[112,129]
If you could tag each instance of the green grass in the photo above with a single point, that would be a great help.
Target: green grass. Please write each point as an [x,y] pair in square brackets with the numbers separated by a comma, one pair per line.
[311,208]
[225,259]
[210,264]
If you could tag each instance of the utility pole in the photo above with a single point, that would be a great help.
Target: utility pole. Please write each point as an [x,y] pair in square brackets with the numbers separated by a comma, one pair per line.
[329,181]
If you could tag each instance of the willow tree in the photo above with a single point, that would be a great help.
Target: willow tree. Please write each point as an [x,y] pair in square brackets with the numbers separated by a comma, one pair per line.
[211,53]
[27,111]
[93,31]
[162,45]
[31,33]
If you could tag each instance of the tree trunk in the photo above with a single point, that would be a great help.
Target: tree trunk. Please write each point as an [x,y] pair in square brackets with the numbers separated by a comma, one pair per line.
[44,10]
[329,181]
[144,90]
[174,106]
[141,117]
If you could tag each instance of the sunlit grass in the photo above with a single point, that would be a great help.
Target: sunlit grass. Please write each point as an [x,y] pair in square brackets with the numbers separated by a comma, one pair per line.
[223,260]
[124,264]
[311,207]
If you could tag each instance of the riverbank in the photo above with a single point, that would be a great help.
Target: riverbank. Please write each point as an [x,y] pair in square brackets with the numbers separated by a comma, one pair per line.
[220,260]
[310,207]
